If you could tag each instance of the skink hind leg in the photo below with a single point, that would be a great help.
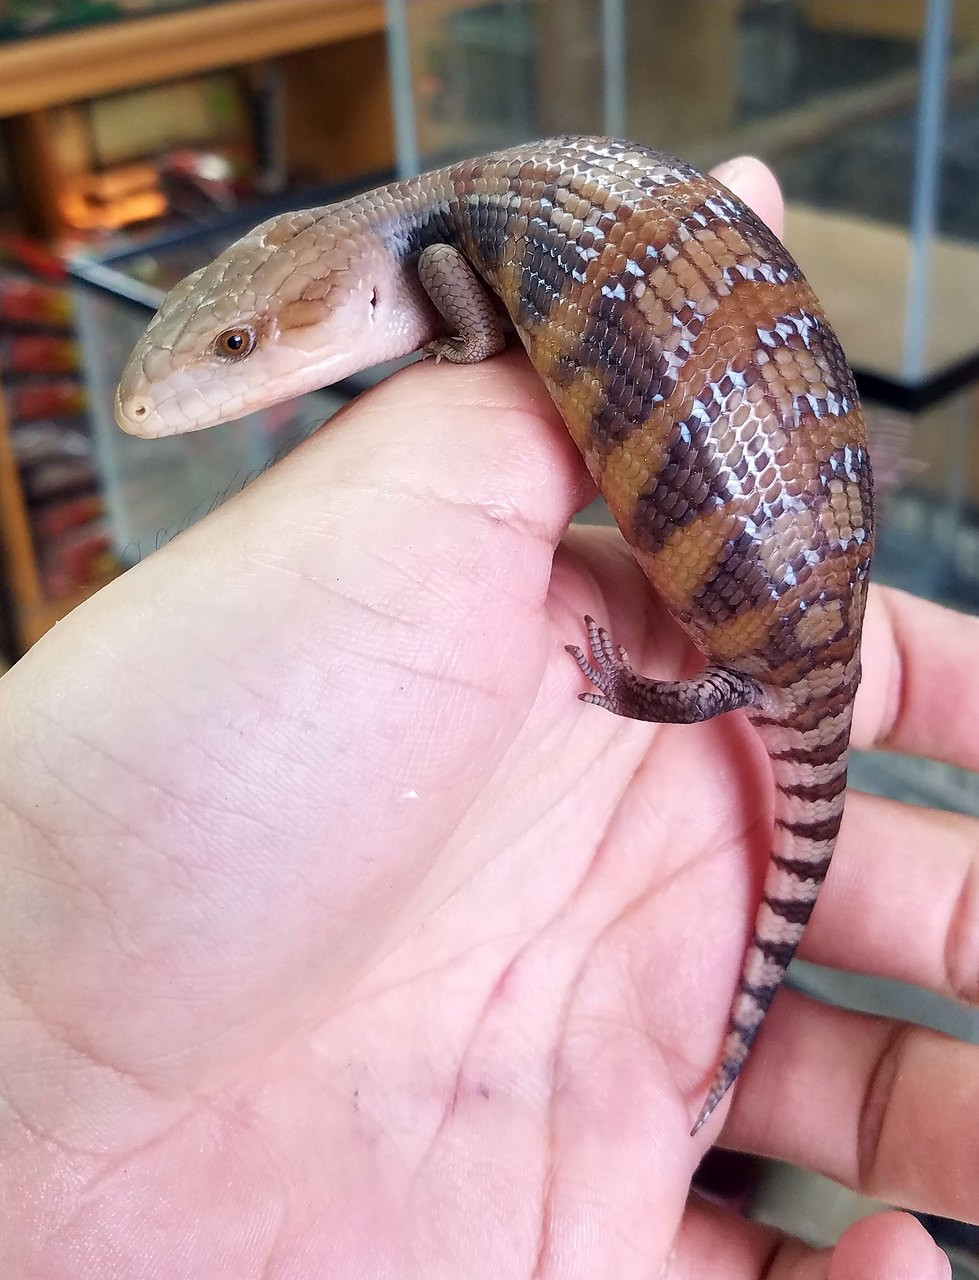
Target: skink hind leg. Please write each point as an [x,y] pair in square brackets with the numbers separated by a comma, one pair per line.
[464,303]
[626,693]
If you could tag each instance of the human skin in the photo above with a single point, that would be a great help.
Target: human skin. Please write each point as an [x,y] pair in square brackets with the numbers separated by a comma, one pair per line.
[337,938]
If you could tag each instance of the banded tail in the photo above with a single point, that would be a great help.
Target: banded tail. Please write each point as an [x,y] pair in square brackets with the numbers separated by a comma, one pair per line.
[808,753]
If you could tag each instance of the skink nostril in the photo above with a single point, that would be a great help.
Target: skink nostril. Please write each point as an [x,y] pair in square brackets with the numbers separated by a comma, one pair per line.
[133,411]
[136,409]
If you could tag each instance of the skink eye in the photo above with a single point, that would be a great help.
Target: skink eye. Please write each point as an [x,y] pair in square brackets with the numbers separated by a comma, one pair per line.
[235,344]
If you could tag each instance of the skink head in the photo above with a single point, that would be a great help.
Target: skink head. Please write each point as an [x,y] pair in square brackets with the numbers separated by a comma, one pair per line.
[300,302]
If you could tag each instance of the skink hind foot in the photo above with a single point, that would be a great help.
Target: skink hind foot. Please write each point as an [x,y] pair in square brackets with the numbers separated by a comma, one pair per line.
[624,692]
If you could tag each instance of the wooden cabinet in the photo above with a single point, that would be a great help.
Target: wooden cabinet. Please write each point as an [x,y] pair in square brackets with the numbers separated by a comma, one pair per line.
[99,59]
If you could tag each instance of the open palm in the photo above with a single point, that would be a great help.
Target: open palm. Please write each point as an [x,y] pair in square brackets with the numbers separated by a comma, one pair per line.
[337,938]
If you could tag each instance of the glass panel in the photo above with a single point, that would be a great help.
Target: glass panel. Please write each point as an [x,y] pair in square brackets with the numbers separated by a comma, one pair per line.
[843,98]
[829,92]
[490,75]
[846,100]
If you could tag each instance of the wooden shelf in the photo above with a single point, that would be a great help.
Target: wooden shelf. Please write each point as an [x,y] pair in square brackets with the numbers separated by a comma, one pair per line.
[34,612]
[15,529]
[73,65]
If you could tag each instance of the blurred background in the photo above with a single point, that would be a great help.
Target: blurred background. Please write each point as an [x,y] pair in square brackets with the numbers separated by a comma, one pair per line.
[138,137]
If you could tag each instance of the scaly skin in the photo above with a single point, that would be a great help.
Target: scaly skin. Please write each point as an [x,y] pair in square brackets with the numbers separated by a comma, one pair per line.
[698,377]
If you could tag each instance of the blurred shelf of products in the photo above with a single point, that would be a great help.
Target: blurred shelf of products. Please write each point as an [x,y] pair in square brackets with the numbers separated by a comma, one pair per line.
[138,138]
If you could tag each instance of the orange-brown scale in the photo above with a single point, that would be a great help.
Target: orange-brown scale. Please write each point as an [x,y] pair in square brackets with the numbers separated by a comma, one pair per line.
[782,379]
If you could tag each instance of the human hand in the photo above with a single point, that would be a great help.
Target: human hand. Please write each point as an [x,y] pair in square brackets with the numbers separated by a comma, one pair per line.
[337,938]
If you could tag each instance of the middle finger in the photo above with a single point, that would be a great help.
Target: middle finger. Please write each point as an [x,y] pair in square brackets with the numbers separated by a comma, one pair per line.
[902,898]
[881,1106]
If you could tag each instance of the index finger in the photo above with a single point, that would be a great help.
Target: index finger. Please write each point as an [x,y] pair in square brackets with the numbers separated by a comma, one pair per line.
[755,184]
[920,688]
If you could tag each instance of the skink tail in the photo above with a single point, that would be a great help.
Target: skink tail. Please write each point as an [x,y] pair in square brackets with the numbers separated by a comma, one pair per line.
[809,767]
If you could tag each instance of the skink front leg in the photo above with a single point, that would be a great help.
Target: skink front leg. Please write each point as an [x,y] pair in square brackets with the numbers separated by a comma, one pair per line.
[464,303]
[626,693]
